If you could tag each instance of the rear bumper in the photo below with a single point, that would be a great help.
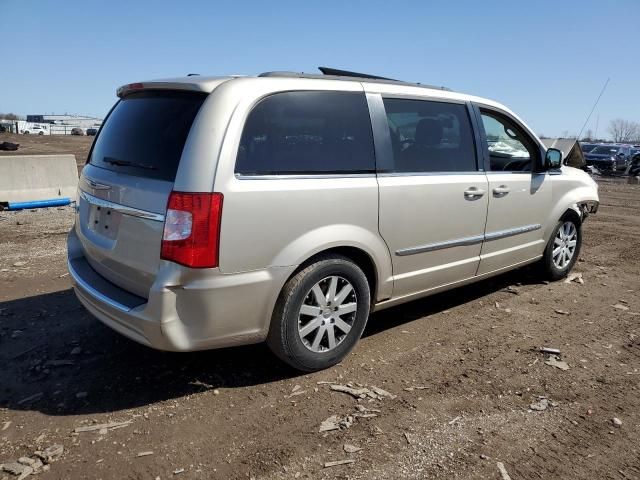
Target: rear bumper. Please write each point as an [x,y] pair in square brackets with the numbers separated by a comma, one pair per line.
[186,309]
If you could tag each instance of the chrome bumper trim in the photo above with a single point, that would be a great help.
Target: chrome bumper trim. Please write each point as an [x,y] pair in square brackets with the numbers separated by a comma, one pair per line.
[132,212]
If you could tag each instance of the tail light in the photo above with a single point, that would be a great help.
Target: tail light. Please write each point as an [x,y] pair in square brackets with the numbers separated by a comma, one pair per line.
[191,234]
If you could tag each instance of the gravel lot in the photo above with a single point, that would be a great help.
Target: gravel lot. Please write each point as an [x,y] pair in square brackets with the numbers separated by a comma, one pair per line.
[463,369]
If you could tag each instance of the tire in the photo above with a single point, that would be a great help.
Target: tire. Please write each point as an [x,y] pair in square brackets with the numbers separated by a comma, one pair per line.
[558,266]
[302,339]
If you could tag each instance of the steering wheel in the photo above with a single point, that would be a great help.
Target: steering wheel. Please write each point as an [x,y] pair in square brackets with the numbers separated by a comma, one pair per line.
[517,165]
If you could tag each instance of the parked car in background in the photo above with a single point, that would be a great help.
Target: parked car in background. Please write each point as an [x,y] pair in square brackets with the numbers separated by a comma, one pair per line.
[587,147]
[609,158]
[219,211]
[77,131]
[92,131]
[35,130]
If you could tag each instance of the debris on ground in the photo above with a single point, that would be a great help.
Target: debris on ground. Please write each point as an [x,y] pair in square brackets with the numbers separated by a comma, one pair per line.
[411,389]
[408,438]
[178,471]
[552,351]
[620,306]
[297,390]
[362,392]
[512,289]
[331,423]
[455,420]
[144,454]
[335,422]
[616,422]
[339,462]
[51,453]
[351,448]
[574,277]
[102,426]
[18,469]
[554,361]
[561,312]
[503,471]
[541,405]
[9,146]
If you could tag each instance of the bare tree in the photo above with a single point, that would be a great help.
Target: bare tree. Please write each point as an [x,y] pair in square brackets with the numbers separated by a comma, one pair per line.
[588,136]
[623,130]
[9,116]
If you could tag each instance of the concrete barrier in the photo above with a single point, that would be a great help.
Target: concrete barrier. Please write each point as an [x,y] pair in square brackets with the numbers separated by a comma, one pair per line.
[25,178]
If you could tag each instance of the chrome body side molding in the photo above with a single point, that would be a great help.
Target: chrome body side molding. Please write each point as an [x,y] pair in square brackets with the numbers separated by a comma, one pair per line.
[460,242]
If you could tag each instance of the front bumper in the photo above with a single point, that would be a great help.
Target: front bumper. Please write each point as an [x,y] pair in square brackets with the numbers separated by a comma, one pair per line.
[186,309]
[603,165]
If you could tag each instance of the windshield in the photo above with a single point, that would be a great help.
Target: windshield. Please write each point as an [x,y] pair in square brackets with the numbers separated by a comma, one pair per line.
[587,147]
[605,150]
[145,133]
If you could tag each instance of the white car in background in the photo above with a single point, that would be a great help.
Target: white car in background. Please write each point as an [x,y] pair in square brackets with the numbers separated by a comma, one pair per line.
[28,128]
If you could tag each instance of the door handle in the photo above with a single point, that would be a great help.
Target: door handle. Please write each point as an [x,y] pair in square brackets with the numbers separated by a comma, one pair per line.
[501,191]
[473,192]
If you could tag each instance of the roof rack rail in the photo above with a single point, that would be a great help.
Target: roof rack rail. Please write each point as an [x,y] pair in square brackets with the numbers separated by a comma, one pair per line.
[346,73]
[336,74]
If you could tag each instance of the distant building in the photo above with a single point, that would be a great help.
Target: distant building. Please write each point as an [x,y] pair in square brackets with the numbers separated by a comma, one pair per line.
[62,124]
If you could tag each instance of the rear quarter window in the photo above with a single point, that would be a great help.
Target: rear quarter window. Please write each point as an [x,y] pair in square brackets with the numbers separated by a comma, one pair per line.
[145,133]
[307,132]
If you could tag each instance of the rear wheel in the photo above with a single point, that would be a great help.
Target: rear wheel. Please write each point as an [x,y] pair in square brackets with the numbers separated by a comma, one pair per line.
[563,249]
[321,314]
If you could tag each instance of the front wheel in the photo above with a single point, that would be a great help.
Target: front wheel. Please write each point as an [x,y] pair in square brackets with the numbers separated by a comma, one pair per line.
[320,314]
[563,249]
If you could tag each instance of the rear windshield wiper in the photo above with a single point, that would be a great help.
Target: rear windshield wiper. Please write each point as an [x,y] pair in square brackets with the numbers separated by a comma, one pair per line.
[127,163]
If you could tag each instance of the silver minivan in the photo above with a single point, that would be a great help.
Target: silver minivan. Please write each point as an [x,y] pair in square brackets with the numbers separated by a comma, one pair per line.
[220,211]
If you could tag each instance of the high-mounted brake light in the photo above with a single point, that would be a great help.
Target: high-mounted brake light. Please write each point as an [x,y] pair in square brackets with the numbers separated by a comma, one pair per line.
[191,234]
[123,90]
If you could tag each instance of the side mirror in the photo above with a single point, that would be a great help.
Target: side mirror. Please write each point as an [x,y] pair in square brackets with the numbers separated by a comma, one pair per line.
[553,159]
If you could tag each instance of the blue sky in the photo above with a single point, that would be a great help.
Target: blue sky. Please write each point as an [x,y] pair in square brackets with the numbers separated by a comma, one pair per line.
[547,60]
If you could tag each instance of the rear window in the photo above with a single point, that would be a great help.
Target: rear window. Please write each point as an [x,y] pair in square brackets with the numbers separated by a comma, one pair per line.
[307,133]
[145,133]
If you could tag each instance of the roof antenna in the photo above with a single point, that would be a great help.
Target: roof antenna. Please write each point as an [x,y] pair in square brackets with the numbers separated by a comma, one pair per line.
[594,107]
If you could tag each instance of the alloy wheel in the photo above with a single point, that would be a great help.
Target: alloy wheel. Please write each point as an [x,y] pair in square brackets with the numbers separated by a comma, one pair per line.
[327,314]
[564,245]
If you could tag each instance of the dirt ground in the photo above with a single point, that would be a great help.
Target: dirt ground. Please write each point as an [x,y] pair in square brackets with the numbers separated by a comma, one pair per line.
[49,145]
[463,368]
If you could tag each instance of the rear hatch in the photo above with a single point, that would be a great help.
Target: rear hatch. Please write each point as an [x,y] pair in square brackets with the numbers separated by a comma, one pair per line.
[126,183]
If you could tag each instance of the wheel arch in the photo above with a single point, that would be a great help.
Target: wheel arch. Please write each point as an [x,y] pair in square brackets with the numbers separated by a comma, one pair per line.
[358,256]
[572,213]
